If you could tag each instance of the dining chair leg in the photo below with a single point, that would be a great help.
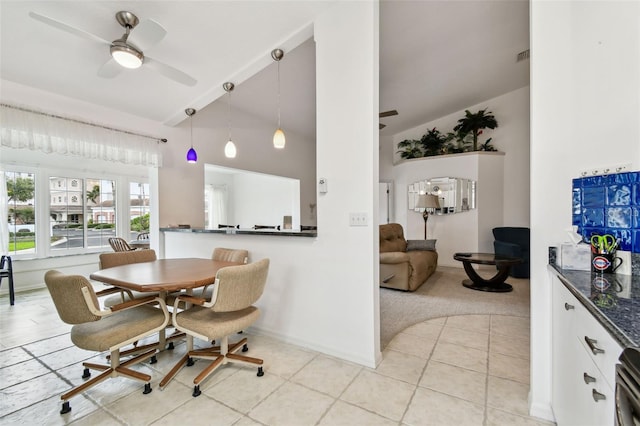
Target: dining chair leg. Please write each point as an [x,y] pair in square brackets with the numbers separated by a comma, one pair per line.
[12,294]
[174,371]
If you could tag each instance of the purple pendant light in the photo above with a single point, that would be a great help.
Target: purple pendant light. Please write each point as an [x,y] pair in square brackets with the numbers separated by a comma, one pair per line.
[192,156]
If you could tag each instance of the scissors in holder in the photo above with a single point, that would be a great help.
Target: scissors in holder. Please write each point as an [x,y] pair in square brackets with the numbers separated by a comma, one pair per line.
[604,243]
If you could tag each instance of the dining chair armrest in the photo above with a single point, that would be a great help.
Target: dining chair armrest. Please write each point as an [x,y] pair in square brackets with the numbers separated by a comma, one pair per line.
[132,303]
[111,290]
[89,297]
[190,299]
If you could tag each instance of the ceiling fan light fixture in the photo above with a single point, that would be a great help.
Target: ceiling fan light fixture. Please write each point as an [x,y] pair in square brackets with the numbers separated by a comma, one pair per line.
[126,55]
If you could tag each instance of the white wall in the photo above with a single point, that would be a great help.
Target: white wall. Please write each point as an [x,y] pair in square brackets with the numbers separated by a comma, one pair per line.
[264,200]
[585,104]
[29,274]
[468,231]
[322,292]
[180,181]
[511,137]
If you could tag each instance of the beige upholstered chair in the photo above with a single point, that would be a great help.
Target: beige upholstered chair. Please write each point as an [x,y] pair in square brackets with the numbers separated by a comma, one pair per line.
[219,253]
[230,255]
[120,244]
[404,265]
[230,310]
[225,255]
[110,260]
[105,330]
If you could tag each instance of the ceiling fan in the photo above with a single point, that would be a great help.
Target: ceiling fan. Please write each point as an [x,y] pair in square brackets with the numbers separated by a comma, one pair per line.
[128,50]
[384,114]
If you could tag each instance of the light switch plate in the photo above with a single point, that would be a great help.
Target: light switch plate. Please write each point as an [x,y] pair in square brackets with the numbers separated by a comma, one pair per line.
[358,219]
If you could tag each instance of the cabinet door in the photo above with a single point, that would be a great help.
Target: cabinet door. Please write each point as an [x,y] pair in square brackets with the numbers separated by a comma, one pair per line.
[601,347]
[564,352]
[593,400]
[581,395]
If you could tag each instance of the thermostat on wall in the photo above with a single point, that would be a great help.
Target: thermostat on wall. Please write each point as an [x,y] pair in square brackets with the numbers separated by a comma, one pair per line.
[322,185]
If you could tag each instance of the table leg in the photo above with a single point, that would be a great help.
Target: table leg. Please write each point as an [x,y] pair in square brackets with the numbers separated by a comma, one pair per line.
[493,284]
[162,335]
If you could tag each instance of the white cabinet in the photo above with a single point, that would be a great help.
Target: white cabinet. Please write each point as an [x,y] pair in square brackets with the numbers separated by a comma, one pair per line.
[583,362]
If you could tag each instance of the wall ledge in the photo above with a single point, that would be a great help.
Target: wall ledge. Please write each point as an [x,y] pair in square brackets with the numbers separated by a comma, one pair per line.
[439,157]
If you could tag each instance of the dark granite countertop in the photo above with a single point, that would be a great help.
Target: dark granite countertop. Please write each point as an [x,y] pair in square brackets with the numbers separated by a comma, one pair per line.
[281,233]
[613,299]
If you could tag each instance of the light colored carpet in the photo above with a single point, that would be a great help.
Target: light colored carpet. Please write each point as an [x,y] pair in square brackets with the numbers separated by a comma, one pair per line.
[443,295]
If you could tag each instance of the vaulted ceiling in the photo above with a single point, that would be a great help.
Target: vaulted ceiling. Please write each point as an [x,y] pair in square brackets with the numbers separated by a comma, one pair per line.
[436,57]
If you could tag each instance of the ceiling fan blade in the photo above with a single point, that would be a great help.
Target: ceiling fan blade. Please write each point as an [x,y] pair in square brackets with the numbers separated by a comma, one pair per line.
[381,126]
[147,34]
[170,72]
[109,69]
[388,113]
[68,28]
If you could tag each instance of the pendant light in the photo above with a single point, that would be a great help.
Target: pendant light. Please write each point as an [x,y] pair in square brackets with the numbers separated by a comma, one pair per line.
[192,156]
[278,137]
[230,147]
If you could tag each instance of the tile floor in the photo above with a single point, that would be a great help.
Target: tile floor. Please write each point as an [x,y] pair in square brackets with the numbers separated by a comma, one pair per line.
[462,370]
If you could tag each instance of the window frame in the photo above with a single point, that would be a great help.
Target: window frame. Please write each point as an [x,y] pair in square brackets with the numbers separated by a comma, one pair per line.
[42,201]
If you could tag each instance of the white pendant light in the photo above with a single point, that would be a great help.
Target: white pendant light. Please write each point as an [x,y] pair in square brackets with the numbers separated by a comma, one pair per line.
[278,137]
[230,147]
[192,155]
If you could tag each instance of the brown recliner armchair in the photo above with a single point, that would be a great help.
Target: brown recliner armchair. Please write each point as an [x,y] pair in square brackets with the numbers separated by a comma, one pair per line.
[404,265]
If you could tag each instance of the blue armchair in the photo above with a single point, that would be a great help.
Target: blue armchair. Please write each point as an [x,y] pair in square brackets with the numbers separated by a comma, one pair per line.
[513,242]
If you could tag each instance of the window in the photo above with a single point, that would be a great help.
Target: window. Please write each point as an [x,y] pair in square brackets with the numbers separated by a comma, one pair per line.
[139,207]
[21,213]
[100,210]
[215,206]
[56,212]
[81,217]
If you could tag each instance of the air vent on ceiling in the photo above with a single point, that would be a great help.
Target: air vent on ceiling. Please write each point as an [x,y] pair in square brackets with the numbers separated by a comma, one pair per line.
[523,55]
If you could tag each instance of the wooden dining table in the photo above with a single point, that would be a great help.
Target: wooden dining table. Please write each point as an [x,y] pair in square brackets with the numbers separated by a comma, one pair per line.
[163,276]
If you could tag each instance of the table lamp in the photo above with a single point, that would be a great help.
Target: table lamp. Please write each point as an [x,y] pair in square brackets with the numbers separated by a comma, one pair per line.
[426,202]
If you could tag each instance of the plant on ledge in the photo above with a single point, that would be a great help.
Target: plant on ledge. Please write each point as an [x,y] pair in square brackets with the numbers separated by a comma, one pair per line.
[410,148]
[434,143]
[474,124]
[464,138]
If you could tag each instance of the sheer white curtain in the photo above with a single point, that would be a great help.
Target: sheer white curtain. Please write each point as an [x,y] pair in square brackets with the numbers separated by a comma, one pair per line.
[21,129]
[217,200]
[4,223]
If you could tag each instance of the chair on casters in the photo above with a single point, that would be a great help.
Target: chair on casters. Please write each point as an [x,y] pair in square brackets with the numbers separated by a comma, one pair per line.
[105,330]
[110,260]
[120,244]
[6,270]
[230,310]
[219,253]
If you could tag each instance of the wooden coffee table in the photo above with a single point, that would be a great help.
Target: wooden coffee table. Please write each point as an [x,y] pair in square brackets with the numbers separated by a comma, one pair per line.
[494,284]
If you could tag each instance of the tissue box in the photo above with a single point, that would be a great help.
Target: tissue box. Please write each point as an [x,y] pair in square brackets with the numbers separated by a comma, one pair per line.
[575,257]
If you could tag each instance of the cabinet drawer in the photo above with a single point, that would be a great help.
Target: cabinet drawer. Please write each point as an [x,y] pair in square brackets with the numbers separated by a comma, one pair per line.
[594,402]
[576,320]
[601,347]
